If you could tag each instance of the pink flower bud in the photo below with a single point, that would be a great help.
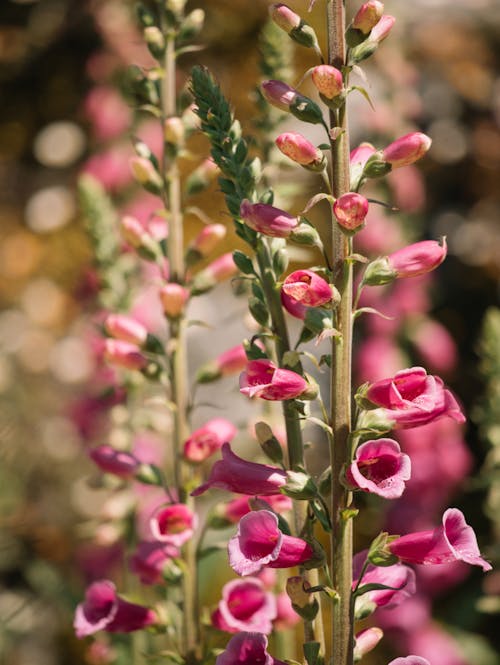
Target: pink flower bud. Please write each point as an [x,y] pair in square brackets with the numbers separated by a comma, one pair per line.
[367,16]
[173,524]
[455,540]
[267,219]
[279,94]
[407,149]
[307,288]
[350,210]
[117,462]
[126,328]
[237,475]
[300,150]
[145,173]
[381,468]
[208,239]
[382,29]
[284,17]
[133,231]
[173,298]
[206,440]
[417,259]
[263,379]
[360,155]
[259,542]
[328,80]
[173,131]
[366,641]
[124,354]
[103,609]
[218,271]
[245,606]
[232,361]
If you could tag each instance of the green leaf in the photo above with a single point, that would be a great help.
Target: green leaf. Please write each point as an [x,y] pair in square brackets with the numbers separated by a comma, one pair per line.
[243,262]
[365,94]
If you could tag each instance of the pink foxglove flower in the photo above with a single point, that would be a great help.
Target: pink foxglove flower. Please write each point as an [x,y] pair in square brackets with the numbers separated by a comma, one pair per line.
[307,288]
[173,298]
[267,219]
[360,155]
[410,660]
[247,649]
[455,540]
[350,210]
[103,609]
[126,328]
[382,29]
[284,17]
[417,259]
[149,559]
[412,398]
[235,509]
[279,94]
[206,440]
[398,576]
[381,468]
[118,462]
[407,149]
[173,524]
[367,16]
[300,150]
[293,307]
[366,641]
[328,80]
[123,354]
[237,475]
[263,379]
[259,542]
[245,606]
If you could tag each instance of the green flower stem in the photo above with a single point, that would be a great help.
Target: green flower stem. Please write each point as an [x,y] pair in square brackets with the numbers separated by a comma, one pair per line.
[177,353]
[341,541]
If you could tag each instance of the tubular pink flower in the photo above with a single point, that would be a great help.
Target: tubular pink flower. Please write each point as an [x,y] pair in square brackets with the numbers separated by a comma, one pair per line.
[173,524]
[407,149]
[382,29]
[360,155]
[381,468]
[117,462]
[279,94]
[124,354]
[237,475]
[328,80]
[173,298]
[245,606]
[293,307]
[417,259]
[455,540]
[103,609]
[149,559]
[206,440]
[126,328]
[400,577]
[231,361]
[412,398]
[284,17]
[367,16]
[350,210]
[259,542]
[234,510]
[267,219]
[410,660]
[247,649]
[299,149]
[263,379]
[307,288]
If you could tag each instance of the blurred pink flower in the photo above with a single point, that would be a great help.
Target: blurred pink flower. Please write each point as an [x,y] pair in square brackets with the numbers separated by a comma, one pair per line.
[245,606]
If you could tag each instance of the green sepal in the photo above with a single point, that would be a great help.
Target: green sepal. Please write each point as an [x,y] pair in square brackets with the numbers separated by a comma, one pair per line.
[243,262]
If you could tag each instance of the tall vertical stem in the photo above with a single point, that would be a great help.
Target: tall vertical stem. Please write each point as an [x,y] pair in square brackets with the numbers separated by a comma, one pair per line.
[341,544]
[177,347]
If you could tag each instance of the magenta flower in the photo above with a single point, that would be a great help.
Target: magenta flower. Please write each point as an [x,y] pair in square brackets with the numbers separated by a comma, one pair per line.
[117,462]
[293,307]
[267,219]
[307,288]
[247,649]
[126,328]
[328,80]
[263,379]
[206,440]
[300,150]
[398,576]
[103,609]
[259,542]
[173,524]
[417,259]
[412,398]
[410,660]
[381,468]
[149,559]
[350,210]
[407,149]
[245,606]
[124,354]
[237,475]
[455,540]
[235,509]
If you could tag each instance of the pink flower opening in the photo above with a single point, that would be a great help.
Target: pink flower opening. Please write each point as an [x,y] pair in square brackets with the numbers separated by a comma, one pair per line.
[173,524]
[263,379]
[381,468]
[245,606]
[307,288]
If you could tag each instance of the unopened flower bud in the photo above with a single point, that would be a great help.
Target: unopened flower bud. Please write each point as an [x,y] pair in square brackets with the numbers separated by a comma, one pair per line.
[229,362]
[305,234]
[286,98]
[350,210]
[134,233]
[176,6]
[146,174]
[126,328]
[124,354]
[205,242]
[201,177]
[284,17]
[300,150]
[366,641]
[296,588]
[418,259]
[173,131]
[218,271]
[192,25]
[173,298]
[267,219]
[377,35]
[155,41]
[328,81]
[376,166]
[407,149]
[367,16]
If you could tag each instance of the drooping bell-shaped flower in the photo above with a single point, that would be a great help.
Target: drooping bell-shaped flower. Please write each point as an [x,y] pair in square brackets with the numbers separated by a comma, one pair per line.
[380,467]
[300,150]
[235,474]
[245,606]
[307,288]
[267,219]
[454,540]
[406,150]
[259,542]
[173,524]
[263,379]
